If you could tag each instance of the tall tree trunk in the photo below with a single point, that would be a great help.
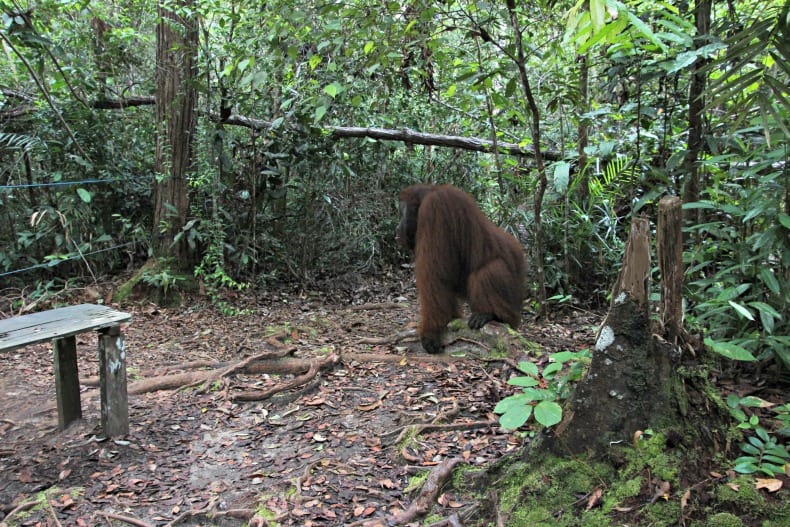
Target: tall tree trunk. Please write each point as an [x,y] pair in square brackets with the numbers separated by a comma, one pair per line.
[176,97]
[521,64]
[696,103]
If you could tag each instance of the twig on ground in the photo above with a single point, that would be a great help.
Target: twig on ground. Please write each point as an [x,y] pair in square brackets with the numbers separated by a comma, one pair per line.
[126,519]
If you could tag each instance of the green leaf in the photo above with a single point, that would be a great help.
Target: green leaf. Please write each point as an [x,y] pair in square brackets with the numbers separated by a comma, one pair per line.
[319,113]
[562,171]
[511,402]
[742,310]
[530,368]
[784,219]
[523,381]
[729,350]
[84,195]
[683,61]
[450,91]
[333,89]
[745,467]
[538,394]
[548,413]
[515,419]
[753,402]
[563,356]
[768,278]
[639,25]
[597,14]
[551,369]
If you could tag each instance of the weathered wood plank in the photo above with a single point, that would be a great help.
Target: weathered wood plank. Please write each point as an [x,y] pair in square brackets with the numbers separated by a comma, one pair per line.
[112,374]
[67,386]
[17,332]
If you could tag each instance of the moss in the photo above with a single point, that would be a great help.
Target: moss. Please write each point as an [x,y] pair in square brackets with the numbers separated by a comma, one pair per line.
[532,515]
[652,453]
[262,511]
[617,494]
[723,519]
[746,498]
[595,518]
[662,513]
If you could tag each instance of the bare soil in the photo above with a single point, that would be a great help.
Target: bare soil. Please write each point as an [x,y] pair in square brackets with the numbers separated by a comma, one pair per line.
[332,453]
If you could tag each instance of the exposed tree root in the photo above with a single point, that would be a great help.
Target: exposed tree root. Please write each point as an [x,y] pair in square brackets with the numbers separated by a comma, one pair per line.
[430,491]
[401,336]
[315,367]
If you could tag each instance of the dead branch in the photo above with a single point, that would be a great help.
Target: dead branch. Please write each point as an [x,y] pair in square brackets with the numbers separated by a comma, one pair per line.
[25,505]
[125,519]
[315,367]
[430,491]
[409,136]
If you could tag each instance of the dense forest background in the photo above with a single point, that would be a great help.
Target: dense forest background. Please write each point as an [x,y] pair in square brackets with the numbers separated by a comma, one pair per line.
[249,142]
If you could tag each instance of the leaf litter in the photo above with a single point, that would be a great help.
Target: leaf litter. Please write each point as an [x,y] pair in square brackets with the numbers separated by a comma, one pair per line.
[342,451]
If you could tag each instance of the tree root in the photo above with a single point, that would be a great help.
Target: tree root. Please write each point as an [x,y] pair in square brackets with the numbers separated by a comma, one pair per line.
[430,491]
[315,367]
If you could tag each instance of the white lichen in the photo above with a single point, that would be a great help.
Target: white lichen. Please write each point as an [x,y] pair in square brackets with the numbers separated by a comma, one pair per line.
[605,338]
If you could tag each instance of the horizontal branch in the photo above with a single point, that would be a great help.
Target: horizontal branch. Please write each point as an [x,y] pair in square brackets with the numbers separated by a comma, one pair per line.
[404,134]
[466,143]
[126,102]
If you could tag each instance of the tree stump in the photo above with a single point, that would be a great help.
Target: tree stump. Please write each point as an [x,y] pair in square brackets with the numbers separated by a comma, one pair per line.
[627,387]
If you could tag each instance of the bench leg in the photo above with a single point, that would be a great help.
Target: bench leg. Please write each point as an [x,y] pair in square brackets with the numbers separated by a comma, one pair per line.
[112,379]
[67,384]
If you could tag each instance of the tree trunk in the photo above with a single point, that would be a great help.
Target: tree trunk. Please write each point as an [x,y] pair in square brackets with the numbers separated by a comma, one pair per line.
[627,387]
[696,104]
[670,263]
[521,64]
[176,98]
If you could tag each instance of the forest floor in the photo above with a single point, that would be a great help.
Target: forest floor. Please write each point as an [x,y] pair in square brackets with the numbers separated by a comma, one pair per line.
[329,452]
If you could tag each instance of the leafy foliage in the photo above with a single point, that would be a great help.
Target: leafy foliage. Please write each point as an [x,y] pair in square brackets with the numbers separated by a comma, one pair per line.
[763,451]
[740,286]
[542,390]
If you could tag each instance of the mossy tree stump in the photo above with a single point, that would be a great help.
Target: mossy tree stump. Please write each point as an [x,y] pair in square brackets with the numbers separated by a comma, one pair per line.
[627,387]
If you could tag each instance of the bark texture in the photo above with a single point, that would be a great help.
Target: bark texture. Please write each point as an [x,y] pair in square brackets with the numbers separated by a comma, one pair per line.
[175,125]
[627,386]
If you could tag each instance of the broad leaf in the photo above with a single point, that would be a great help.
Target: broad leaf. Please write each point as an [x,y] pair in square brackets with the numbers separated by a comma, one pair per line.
[729,350]
[548,413]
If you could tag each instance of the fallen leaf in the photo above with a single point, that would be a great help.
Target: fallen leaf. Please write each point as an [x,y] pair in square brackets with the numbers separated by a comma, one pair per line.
[662,491]
[594,499]
[369,407]
[771,485]
[684,500]
[386,483]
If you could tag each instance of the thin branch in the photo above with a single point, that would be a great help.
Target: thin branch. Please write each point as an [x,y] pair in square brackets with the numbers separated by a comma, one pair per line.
[47,96]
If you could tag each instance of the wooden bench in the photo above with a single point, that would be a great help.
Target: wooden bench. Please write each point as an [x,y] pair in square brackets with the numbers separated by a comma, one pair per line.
[61,325]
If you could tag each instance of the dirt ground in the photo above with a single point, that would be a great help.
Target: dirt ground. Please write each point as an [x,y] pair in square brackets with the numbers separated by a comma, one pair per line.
[330,453]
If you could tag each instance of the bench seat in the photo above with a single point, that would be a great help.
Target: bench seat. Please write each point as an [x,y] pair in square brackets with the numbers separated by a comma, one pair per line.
[61,325]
